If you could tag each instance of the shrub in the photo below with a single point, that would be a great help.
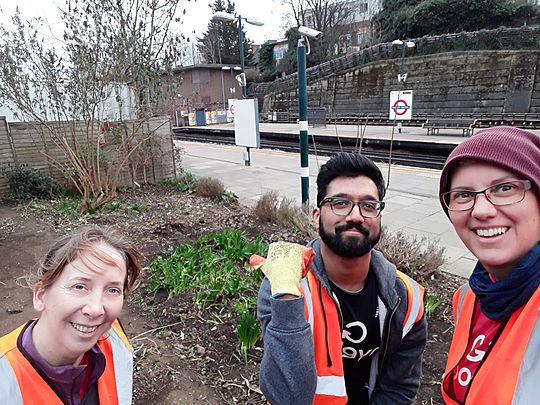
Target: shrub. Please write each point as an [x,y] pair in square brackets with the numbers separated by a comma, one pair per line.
[229,197]
[284,212]
[418,257]
[186,183]
[210,188]
[26,183]
[266,208]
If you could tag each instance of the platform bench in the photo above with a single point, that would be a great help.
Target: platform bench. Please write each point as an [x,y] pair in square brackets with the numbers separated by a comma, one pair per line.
[433,125]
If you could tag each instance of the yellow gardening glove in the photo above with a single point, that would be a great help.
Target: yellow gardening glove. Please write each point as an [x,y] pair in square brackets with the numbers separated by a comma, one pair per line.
[286,264]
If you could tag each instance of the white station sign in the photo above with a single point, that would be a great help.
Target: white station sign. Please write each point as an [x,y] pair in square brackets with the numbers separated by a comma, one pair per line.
[401,103]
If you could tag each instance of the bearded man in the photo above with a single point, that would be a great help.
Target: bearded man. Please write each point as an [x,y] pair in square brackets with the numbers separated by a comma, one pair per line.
[341,325]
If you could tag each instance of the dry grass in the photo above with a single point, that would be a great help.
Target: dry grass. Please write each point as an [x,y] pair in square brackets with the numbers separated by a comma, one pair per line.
[419,257]
[210,188]
[284,211]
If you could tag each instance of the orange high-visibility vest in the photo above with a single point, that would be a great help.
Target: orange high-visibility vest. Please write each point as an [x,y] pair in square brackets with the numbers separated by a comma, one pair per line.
[319,305]
[510,372]
[22,384]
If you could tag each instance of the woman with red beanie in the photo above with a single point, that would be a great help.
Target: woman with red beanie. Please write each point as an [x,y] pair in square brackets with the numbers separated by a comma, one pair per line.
[490,190]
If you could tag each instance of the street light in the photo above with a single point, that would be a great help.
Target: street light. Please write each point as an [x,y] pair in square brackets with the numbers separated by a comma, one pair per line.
[402,77]
[223,16]
[304,32]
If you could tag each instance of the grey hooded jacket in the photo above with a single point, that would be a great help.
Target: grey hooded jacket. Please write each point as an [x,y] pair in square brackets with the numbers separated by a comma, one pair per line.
[288,375]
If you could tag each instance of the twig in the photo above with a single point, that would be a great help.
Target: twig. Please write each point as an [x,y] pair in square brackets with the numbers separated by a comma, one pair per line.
[251,387]
[156,329]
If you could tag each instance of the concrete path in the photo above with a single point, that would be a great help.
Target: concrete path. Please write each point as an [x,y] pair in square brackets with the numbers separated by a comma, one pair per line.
[412,205]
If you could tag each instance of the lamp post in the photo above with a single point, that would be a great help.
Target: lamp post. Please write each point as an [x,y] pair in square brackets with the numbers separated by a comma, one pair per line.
[302,119]
[223,16]
[301,53]
[402,77]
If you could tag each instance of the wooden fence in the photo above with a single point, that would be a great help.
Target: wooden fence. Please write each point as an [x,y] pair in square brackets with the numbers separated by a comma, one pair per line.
[32,144]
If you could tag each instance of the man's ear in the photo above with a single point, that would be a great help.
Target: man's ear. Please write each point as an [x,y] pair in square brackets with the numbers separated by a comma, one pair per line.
[315,216]
[38,297]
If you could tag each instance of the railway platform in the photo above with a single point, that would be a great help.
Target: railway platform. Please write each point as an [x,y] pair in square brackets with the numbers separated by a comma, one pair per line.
[412,204]
[373,132]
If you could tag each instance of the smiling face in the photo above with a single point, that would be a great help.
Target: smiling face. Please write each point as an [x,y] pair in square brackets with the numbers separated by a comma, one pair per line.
[499,236]
[80,305]
[351,235]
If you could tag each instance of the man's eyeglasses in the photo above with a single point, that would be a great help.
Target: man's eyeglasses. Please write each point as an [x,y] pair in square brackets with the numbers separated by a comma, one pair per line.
[506,193]
[343,207]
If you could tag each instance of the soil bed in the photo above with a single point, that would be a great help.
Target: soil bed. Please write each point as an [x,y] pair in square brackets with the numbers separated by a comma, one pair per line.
[183,354]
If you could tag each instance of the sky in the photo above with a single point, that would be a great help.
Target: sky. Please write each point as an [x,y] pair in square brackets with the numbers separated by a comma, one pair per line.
[195,21]
[271,12]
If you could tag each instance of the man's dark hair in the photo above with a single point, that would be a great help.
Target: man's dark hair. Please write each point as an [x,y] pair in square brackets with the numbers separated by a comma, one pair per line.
[346,164]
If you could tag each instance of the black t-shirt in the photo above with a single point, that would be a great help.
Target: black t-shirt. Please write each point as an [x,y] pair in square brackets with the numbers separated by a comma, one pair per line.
[361,337]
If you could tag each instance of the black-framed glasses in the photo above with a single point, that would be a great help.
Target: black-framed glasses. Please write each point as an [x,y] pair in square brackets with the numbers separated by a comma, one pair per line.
[509,192]
[343,207]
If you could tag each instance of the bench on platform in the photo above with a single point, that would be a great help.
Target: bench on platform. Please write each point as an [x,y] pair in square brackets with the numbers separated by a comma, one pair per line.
[433,125]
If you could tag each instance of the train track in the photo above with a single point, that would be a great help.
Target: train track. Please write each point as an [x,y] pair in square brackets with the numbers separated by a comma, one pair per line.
[415,154]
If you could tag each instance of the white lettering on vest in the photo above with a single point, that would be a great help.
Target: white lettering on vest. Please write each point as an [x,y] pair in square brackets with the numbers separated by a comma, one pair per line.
[475,356]
[479,354]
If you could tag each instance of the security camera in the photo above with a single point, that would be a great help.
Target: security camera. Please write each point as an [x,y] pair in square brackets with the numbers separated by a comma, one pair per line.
[310,32]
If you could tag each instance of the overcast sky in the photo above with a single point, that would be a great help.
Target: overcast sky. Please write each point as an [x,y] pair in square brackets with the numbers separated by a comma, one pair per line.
[271,12]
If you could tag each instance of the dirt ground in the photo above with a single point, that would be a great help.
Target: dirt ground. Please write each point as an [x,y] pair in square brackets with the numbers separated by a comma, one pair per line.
[182,355]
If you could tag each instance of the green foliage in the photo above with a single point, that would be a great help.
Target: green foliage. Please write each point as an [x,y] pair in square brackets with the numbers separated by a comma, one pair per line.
[248,332]
[417,18]
[213,270]
[167,182]
[219,43]
[137,207]
[68,207]
[112,206]
[210,268]
[26,183]
[319,53]
[186,183]
[267,62]
[229,197]
[432,302]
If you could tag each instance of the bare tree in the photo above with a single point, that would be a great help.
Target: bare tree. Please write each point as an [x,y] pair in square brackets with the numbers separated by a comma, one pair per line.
[108,48]
[332,17]
[323,15]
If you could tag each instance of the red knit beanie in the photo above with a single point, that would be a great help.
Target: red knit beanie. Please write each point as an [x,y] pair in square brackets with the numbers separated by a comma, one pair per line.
[511,148]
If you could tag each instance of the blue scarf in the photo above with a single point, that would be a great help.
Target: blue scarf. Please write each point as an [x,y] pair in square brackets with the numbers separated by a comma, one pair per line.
[498,300]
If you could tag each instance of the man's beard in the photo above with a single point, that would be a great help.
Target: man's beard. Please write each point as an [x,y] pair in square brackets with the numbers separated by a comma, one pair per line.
[349,246]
